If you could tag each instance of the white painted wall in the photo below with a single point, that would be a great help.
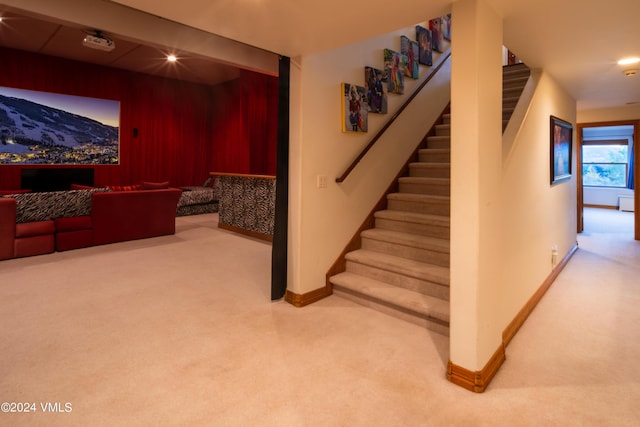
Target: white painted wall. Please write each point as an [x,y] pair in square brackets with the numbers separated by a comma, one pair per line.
[322,221]
[604,196]
[630,112]
[536,215]
[505,214]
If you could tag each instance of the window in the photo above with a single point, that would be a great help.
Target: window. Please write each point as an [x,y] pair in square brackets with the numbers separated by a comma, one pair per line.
[605,163]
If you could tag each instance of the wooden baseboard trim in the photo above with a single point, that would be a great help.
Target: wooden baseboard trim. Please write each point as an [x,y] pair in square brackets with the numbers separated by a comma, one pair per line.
[479,380]
[601,207]
[513,327]
[300,300]
[239,230]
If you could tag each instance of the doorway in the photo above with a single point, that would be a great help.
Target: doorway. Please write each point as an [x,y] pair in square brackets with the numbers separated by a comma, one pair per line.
[604,174]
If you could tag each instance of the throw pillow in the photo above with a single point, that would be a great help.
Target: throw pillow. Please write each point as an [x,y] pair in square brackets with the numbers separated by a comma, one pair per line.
[155,185]
[81,187]
[124,187]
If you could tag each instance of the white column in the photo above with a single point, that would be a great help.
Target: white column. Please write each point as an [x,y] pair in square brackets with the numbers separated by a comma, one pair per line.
[476,171]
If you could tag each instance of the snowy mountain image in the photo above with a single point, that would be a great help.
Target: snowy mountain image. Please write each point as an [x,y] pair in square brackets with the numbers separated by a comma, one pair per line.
[33,133]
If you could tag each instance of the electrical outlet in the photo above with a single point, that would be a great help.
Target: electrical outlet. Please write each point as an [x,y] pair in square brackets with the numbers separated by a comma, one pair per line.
[321,181]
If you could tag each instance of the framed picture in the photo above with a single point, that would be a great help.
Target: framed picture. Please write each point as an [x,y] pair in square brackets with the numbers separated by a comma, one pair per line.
[394,65]
[375,81]
[561,149]
[410,49]
[423,35]
[43,128]
[437,38]
[354,108]
[446,27]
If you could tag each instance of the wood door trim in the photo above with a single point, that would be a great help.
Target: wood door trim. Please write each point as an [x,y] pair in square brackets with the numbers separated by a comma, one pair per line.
[636,176]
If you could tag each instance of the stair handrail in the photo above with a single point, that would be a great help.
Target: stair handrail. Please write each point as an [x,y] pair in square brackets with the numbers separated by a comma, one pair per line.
[377,136]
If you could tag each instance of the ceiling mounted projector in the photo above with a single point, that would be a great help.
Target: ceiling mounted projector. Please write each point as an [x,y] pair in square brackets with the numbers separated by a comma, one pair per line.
[98,41]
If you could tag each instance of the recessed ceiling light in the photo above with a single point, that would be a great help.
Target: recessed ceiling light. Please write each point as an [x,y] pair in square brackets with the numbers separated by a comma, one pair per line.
[628,61]
[172,58]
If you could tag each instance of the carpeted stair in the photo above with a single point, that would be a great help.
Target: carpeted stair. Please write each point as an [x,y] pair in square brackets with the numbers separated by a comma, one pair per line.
[402,267]
[514,79]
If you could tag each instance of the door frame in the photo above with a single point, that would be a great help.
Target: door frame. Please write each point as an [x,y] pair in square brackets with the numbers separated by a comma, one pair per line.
[636,177]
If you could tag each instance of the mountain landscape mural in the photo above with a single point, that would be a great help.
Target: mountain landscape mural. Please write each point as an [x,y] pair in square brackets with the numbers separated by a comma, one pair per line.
[34,133]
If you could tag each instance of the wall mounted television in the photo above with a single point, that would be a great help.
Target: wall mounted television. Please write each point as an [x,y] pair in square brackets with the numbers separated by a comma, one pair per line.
[54,179]
[43,128]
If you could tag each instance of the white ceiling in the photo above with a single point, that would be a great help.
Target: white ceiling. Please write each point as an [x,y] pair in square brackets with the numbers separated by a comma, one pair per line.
[578,42]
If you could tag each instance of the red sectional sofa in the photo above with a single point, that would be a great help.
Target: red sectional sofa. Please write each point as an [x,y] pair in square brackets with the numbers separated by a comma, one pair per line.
[24,239]
[113,216]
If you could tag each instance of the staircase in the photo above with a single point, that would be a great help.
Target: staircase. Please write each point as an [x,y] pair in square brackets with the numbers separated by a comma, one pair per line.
[514,79]
[402,266]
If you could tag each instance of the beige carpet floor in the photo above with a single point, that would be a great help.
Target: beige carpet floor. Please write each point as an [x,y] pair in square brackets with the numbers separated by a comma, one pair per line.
[179,331]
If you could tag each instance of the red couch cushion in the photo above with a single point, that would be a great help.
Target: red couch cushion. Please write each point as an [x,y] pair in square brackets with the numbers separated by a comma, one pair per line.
[73,223]
[129,215]
[7,192]
[34,245]
[37,228]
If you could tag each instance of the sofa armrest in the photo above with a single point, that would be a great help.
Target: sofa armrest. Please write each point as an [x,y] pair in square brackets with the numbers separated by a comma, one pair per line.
[7,227]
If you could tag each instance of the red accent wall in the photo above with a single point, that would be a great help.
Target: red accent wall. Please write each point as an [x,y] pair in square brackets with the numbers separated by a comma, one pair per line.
[245,124]
[185,130]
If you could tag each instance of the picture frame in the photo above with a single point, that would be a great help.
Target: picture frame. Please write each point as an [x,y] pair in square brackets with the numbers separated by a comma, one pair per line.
[410,49]
[425,51]
[394,65]
[561,149]
[354,108]
[375,82]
